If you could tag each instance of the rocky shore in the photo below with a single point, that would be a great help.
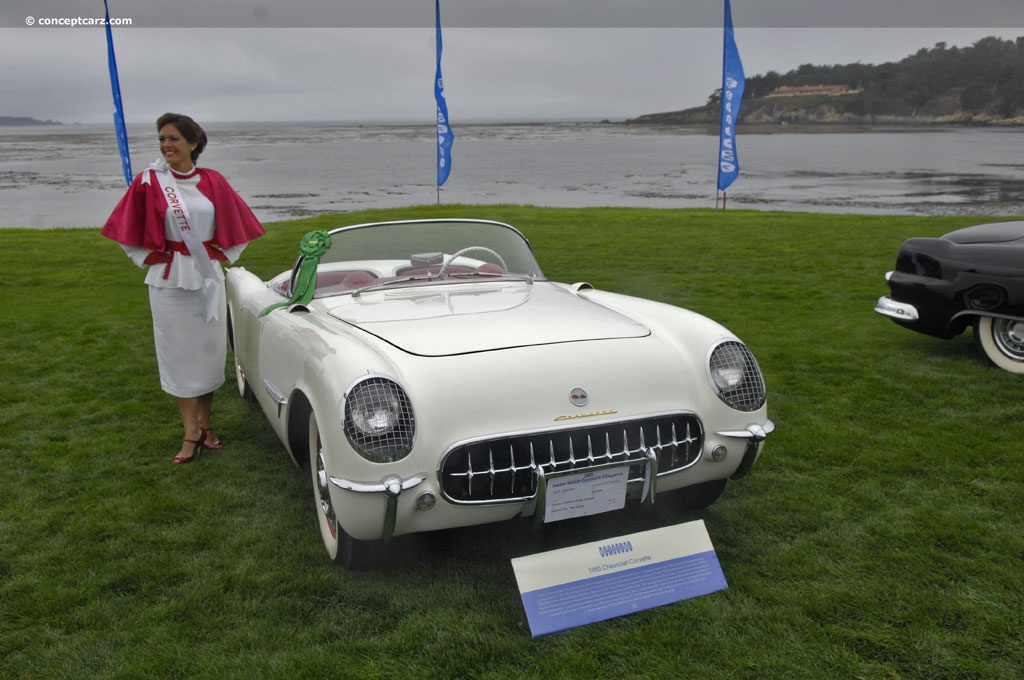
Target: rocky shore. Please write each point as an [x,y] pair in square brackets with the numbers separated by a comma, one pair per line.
[829,110]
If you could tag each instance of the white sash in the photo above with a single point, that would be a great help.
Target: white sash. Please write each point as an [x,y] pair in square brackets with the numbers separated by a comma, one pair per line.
[194,242]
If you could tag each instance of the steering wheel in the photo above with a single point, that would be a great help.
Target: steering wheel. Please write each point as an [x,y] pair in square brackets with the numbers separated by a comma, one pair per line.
[469,249]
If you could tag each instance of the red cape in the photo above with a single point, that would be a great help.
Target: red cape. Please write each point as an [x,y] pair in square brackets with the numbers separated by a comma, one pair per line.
[138,219]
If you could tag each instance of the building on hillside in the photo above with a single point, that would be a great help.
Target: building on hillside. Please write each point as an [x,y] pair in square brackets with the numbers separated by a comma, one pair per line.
[795,90]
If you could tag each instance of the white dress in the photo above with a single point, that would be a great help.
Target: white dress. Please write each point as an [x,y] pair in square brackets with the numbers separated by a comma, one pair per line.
[190,350]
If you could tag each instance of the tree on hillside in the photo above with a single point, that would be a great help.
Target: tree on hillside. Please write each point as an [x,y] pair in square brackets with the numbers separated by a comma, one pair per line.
[986,77]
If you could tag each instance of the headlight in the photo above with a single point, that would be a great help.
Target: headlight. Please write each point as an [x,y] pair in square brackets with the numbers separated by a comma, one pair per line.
[735,376]
[379,421]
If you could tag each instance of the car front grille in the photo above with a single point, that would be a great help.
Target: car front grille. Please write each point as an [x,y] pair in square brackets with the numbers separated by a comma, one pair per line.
[505,468]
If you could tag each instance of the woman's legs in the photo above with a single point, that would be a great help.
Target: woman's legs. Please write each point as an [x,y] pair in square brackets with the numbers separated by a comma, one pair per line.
[205,408]
[195,421]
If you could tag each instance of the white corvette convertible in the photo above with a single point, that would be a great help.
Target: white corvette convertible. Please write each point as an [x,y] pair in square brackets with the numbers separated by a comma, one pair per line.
[429,377]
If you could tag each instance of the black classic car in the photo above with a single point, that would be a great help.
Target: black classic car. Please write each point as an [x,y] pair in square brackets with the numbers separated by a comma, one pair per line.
[969,277]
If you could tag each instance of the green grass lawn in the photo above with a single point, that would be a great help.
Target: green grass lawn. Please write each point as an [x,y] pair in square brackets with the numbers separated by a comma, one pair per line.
[879,536]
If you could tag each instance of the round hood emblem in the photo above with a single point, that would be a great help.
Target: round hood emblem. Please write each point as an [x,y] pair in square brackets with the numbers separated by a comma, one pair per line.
[578,396]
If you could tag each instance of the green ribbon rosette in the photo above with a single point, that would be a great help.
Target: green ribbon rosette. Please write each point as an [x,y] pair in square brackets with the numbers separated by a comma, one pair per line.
[313,245]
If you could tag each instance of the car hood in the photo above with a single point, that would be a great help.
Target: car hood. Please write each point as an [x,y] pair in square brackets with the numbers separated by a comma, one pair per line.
[993,232]
[460,318]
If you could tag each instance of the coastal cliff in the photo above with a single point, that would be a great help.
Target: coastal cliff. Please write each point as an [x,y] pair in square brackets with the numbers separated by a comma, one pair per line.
[829,110]
[978,85]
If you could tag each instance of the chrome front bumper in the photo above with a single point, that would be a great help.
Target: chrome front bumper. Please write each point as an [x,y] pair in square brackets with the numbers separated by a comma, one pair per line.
[755,434]
[900,311]
[393,486]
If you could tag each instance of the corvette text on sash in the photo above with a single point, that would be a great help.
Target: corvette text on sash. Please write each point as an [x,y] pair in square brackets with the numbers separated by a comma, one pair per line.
[195,245]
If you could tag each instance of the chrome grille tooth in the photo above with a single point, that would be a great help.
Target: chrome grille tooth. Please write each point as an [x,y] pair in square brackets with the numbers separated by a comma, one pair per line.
[533,452]
[684,446]
[491,471]
[674,444]
[686,442]
[515,470]
[533,467]
[625,445]
[659,445]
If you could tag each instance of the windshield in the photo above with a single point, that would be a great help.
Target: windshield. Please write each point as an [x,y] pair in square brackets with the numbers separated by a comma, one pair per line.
[371,256]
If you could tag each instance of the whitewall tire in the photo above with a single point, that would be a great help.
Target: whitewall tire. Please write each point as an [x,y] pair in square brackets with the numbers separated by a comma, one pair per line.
[1002,342]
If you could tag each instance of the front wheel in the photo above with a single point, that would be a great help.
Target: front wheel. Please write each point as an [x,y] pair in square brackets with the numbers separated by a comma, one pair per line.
[244,391]
[341,548]
[1002,342]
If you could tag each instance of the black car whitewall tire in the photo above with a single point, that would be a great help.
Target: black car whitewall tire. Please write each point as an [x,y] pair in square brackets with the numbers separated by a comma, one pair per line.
[1002,342]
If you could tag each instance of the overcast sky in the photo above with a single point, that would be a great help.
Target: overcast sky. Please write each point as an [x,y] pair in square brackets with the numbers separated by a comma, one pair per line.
[373,60]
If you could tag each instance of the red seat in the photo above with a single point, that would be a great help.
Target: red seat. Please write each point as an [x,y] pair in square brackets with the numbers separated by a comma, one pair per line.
[327,279]
[341,280]
[359,279]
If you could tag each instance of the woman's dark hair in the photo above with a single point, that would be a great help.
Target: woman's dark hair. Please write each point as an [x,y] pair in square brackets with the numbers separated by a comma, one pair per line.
[189,129]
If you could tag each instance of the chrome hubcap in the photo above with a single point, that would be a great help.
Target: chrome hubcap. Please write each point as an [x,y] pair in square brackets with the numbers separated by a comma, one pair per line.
[324,492]
[1009,336]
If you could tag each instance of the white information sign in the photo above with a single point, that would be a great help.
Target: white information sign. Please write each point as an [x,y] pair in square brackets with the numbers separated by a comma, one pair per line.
[585,493]
[583,584]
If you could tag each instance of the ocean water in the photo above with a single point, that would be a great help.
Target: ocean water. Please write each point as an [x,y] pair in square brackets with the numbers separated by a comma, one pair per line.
[70,175]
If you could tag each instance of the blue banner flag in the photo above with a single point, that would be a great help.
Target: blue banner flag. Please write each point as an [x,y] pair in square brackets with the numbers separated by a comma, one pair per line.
[115,86]
[733,82]
[444,131]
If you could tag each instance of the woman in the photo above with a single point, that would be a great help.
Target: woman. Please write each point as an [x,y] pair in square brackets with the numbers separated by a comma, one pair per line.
[180,221]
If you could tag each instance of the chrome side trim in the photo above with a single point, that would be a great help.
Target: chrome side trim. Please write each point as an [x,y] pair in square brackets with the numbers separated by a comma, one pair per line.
[279,398]
[392,487]
[994,315]
[275,394]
